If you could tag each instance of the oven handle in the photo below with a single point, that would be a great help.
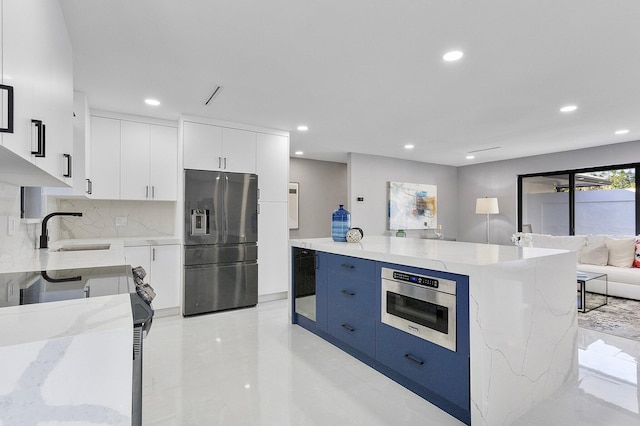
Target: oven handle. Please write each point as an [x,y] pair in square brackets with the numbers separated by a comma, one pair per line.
[413,359]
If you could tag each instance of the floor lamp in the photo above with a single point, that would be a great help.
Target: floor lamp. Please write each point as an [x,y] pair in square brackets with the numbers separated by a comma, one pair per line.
[487,206]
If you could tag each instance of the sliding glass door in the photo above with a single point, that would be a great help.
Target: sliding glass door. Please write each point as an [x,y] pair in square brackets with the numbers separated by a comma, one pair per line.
[578,202]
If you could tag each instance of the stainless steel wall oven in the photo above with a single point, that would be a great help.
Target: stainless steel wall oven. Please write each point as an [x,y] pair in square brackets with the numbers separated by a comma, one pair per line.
[421,305]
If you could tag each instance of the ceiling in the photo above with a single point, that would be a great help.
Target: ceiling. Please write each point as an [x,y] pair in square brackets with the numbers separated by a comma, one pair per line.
[367,76]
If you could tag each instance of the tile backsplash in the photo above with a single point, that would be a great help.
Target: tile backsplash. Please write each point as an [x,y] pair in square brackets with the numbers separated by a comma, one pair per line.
[100,219]
[113,219]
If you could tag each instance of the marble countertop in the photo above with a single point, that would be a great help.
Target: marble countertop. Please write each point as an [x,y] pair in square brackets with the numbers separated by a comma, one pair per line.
[51,259]
[67,361]
[452,256]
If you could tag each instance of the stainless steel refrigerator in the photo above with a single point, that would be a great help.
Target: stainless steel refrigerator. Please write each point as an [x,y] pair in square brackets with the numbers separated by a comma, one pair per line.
[220,241]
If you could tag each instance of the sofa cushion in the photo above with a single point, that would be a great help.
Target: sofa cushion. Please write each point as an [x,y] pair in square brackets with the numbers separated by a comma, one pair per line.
[621,251]
[615,274]
[564,242]
[595,255]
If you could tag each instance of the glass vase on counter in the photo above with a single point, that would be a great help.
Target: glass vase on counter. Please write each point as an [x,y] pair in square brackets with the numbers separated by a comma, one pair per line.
[340,224]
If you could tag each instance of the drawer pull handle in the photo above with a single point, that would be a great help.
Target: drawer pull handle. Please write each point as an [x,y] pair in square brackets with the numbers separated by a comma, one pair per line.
[348,293]
[412,359]
[348,327]
[348,266]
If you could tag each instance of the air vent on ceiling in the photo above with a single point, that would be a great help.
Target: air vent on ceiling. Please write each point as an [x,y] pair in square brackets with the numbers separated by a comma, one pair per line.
[484,149]
[215,93]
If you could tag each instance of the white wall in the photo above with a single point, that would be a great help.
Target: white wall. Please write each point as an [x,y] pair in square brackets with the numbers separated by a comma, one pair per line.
[323,186]
[26,235]
[548,213]
[368,177]
[500,179]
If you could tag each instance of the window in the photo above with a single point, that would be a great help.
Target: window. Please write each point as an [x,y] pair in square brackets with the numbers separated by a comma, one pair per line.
[588,201]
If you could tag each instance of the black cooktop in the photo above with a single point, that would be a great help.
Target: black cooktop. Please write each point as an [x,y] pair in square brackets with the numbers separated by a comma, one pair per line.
[67,284]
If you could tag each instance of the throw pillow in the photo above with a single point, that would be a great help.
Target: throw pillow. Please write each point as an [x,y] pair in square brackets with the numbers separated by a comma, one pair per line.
[636,260]
[621,251]
[598,255]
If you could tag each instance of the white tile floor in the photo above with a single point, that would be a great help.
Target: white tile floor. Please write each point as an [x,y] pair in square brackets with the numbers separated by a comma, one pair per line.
[251,367]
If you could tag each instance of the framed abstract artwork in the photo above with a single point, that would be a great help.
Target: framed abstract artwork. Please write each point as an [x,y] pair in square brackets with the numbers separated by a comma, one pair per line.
[412,206]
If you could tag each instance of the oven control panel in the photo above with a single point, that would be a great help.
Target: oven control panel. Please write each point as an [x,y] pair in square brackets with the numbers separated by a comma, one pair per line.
[416,279]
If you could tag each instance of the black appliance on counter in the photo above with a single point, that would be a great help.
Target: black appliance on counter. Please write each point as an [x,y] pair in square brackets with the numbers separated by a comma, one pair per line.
[68,284]
[220,241]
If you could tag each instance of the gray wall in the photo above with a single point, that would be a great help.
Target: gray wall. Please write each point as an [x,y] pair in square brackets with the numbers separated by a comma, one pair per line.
[500,179]
[323,186]
[368,177]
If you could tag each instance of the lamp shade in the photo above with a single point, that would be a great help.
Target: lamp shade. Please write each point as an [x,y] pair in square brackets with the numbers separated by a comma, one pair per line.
[487,206]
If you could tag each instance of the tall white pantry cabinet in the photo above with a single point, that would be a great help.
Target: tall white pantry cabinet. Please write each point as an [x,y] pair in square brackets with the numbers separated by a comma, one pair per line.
[217,145]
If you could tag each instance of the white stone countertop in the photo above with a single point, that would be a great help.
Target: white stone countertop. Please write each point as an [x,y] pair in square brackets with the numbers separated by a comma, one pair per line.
[51,259]
[67,362]
[452,256]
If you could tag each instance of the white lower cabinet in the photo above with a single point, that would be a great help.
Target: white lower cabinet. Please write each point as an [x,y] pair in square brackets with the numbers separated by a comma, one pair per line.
[162,264]
[273,235]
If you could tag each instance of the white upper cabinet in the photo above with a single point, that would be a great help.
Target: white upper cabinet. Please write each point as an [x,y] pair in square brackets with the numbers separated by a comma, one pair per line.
[163,159]
[105,158]
[37,63]
[149,162]
[202,146]
[132,160]
[239,150]
[208,147]
[273,167]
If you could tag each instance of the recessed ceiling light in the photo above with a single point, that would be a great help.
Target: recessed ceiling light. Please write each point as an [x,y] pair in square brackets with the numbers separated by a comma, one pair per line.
[408,146]
[470,157]
[152,102]
[621,132]
[303,128]
[568,108]
[454,55]
[299,152]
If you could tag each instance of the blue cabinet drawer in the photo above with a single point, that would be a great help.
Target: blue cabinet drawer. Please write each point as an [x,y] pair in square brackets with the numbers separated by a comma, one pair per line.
[355,330]
[350,267]
[431,366]
[353,295]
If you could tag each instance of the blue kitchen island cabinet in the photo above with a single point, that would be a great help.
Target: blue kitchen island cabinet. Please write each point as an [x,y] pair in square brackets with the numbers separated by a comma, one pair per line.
[351,297]
[514,334]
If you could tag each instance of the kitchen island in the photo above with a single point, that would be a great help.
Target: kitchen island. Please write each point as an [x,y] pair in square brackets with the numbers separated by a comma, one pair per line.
[516,320]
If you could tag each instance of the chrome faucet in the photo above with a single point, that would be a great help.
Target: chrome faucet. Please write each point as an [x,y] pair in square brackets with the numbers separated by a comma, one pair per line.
[44,236]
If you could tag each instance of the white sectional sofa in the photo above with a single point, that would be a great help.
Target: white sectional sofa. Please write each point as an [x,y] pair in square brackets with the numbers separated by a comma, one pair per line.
[610,255]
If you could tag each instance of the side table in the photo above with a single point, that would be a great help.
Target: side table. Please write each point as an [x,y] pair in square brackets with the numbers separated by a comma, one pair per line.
[587,298]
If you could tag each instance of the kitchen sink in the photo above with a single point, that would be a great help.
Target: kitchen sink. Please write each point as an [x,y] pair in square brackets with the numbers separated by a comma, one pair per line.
[84,247]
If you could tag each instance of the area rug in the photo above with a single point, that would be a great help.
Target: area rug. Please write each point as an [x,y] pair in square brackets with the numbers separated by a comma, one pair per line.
[620,317]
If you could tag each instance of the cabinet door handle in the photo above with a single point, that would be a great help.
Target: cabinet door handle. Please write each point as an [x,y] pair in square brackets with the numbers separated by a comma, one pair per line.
[153,191]
[348,293]
[348,327]
[413,359]
[9,90]
[89,186]
[69,166]
[41,133]
[225,163]
[153,254]
[348,266]
[219,162]
[316,261]
[146,192]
